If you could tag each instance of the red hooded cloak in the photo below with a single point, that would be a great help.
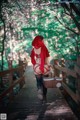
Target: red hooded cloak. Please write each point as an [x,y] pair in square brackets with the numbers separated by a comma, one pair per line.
[37,43]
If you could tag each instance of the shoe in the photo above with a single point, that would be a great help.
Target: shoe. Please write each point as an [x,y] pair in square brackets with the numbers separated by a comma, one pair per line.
[44,99]
[40,94]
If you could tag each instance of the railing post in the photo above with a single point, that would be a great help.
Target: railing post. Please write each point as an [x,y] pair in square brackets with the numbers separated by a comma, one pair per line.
[63,73]
[56,71]
[11,96]
[21,73]
[78,80]
[21,64]
[11,74]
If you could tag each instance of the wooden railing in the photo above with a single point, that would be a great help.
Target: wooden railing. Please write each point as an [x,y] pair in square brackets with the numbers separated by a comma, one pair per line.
[8,75]
[74,73]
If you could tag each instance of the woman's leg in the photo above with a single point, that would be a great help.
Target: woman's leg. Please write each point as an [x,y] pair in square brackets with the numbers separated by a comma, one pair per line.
[44,91]
[39,81]
[40,85]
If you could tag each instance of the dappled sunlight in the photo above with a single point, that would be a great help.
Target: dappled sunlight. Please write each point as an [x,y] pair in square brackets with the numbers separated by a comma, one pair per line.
[57,110]
[31,117]
[25,19]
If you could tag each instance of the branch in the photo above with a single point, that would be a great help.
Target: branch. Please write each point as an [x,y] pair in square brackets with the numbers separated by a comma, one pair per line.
[20,8]
[67,26]
[69,9]
[75,21]
[75,9]
[64,5]
[66,12]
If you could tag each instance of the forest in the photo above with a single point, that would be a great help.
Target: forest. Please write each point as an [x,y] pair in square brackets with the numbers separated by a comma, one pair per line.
[21,20]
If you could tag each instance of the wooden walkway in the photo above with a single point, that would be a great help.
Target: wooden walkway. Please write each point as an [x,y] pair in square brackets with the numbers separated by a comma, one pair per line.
[26,105]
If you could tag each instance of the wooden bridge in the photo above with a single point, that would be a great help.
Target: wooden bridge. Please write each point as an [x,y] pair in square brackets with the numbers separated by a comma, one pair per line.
[24,104]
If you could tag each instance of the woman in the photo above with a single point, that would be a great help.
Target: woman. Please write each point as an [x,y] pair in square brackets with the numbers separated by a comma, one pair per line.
[39,57]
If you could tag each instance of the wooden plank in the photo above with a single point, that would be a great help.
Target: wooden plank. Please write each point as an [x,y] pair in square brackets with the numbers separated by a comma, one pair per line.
[71,72]
[77,69]
[56,107]
[70,92]
[66,70]
[11,87]
[10,70]
[61,68]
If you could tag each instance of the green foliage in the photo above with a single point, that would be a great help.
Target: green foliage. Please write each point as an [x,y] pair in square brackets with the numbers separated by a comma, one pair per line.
[49,20]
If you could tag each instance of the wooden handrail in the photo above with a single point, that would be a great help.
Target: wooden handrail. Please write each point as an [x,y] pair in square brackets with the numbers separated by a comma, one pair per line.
[77,69]
[3,73]
[10,88]
[74,73]
[20,80]
[70,92]
[66,70]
